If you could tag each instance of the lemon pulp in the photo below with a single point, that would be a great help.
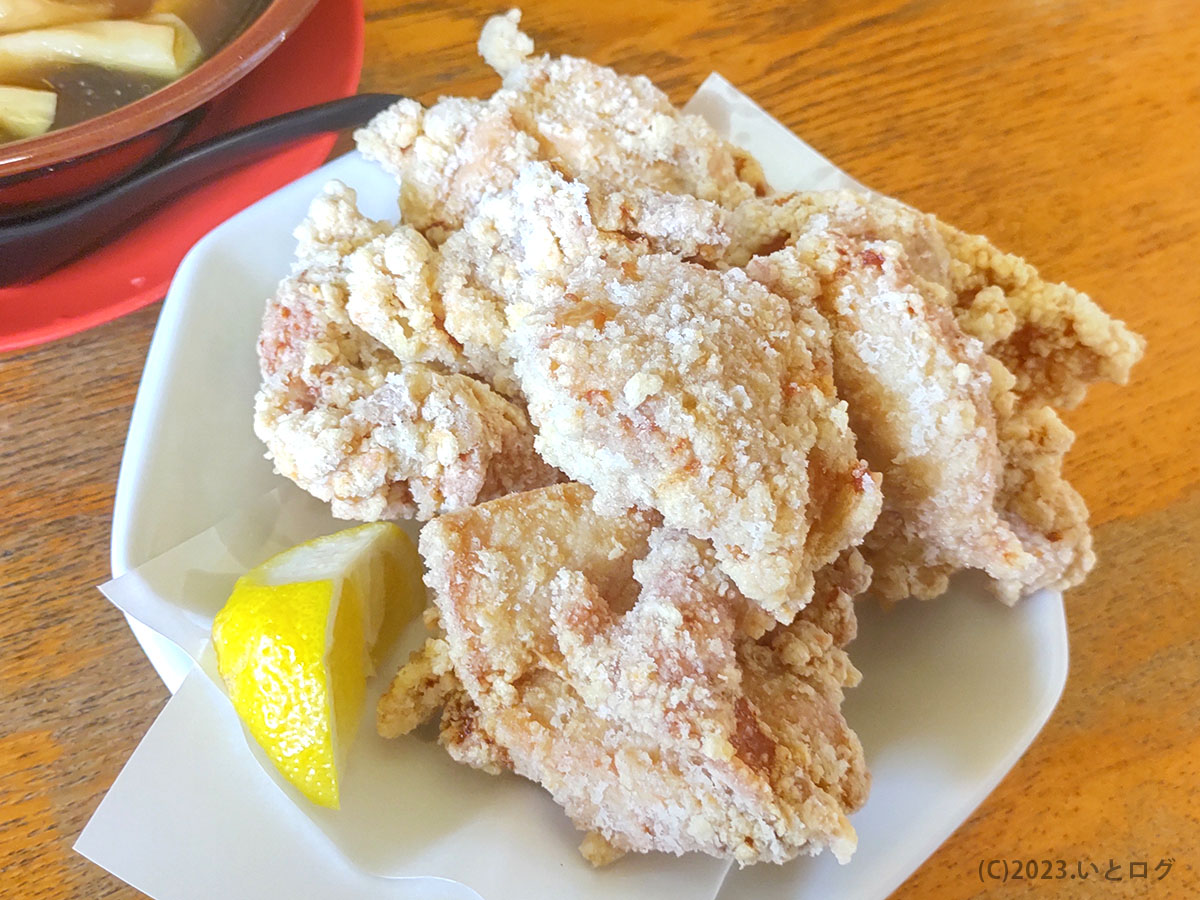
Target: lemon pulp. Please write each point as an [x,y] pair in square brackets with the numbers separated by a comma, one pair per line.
[294,645]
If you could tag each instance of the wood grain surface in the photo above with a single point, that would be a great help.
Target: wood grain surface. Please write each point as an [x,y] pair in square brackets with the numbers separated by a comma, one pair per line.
[1067,131]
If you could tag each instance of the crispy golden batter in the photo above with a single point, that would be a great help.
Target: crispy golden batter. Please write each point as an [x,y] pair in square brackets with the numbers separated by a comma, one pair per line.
[505,249]
[605,657]
[425,684]
[970,446]
[371,275]
[1054,339]
[594,125]
[375,435]
[667,385]
[390,295]
[971,454]
[419,689]
[918,393]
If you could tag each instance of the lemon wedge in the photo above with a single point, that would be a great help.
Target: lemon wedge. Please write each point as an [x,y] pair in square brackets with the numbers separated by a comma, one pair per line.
[294,645]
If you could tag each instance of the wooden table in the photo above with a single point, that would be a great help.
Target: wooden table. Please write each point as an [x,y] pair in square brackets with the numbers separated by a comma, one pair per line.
[1067,131]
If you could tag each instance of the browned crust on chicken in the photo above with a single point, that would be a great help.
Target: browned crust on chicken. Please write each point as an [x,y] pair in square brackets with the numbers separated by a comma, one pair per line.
[589,122]
[606,658]
[944,402]
[347,419]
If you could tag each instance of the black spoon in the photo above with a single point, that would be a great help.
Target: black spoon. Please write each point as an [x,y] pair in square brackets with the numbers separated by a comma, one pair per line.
[37,246]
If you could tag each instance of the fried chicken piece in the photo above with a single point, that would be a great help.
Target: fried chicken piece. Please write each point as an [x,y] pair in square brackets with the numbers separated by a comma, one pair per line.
[595,126]
[349,421]
[666,385]
[918,394]
[1054,339]
[605,657]
[972,472]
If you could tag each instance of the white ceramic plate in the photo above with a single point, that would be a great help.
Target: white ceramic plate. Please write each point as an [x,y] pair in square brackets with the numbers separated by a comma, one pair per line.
[953,690]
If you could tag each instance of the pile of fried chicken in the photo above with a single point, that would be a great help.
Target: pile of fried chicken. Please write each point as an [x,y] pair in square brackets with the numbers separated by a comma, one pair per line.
[666,424]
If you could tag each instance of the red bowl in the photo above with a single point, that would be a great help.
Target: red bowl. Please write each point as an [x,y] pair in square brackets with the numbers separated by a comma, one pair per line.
[320,61]
[67,164]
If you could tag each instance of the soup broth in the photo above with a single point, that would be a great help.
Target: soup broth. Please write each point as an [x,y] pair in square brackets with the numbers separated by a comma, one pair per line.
[62,72]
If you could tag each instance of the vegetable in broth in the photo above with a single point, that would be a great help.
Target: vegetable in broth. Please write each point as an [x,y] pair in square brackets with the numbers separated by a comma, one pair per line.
[64,62]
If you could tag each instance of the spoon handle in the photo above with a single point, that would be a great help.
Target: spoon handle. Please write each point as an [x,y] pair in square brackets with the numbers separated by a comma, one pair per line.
[33,248]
